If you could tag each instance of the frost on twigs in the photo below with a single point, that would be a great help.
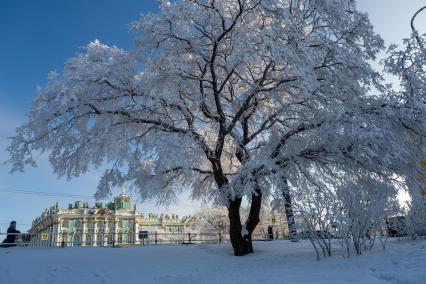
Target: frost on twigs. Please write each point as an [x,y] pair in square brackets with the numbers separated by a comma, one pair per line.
[409,64]
[226,98]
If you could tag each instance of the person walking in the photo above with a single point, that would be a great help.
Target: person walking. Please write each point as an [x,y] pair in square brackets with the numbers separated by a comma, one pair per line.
[12,234]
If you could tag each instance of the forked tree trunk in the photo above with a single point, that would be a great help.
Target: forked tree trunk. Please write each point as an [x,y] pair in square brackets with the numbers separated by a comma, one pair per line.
[240,246]
[289,210]
[241,238]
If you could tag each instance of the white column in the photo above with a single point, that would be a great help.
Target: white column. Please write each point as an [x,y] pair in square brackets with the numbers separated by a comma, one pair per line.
[59,237]
[83,234]
[50,232]
[135,233]
[57,226]
[115,231]
[106,233]
[55,234]
[95,233]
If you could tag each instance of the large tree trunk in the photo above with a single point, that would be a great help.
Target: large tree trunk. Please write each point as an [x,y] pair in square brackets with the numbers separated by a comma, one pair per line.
[240,246]
[289,210]
[241,236]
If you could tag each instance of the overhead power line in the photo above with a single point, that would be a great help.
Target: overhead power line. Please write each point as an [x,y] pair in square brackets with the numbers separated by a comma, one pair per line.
[41,193]
[66,195]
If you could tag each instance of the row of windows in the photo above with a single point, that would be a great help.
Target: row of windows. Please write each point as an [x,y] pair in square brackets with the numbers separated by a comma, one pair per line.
[90,239]
[121,226]
[77,223]
[174,229]
[93,231]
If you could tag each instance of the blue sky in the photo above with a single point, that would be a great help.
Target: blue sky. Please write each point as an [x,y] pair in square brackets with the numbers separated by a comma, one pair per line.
[38,36]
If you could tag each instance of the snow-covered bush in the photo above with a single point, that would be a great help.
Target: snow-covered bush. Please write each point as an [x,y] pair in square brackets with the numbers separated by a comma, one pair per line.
[315,209]
[353,210]
[415,225]
[365,203]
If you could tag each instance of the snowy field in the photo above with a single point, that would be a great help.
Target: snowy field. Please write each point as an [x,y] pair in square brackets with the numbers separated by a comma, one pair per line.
[273,262]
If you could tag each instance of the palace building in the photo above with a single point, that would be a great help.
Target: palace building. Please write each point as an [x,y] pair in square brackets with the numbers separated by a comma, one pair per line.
[117,223]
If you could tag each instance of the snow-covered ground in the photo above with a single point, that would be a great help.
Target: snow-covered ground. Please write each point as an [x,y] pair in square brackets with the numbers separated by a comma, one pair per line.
[273,262]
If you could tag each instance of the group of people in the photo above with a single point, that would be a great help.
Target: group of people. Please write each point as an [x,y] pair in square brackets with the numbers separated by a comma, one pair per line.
[12,236]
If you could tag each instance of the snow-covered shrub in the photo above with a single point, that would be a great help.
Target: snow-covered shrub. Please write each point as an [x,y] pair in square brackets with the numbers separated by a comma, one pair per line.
[352,210]
[416,219]
[314,209]
[365,201]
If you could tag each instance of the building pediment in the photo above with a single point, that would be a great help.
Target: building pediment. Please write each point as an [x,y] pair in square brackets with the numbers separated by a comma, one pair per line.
[101,211]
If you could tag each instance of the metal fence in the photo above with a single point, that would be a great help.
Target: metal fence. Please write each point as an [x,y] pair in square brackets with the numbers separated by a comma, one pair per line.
[101,239]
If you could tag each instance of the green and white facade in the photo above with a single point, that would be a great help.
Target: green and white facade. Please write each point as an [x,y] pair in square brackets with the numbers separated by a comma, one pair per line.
[118,223]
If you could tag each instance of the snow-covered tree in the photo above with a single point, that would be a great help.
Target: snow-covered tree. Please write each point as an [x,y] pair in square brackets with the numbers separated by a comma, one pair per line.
[213,220]
[224,97]
[409,64]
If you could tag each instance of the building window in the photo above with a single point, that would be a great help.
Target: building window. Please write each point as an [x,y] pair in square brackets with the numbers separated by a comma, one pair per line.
[101,225]
[99,238]
[88,240]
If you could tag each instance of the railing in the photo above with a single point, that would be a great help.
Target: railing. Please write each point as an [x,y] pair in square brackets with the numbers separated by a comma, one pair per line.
[100,239]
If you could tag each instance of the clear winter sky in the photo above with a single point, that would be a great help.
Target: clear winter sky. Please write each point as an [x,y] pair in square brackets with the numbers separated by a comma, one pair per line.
[38,36]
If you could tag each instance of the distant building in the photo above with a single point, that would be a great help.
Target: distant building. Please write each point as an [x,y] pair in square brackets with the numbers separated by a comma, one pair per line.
[116,224]
[272,226]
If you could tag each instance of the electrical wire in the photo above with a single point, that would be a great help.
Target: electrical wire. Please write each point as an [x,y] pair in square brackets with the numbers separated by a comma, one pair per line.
[41,193]
[62,195]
